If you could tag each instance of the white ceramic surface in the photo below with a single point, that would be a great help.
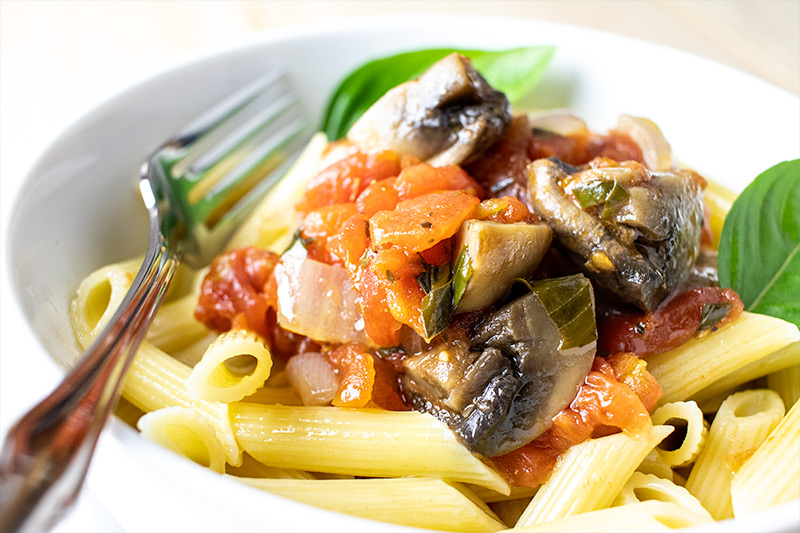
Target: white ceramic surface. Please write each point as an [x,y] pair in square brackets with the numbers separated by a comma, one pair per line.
[79,209]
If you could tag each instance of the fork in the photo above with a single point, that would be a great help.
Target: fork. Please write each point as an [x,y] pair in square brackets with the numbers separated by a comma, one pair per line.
[196,187]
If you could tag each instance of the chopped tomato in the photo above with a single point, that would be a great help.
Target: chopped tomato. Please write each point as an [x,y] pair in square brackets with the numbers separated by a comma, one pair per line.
[669,326]
[439,253]
[234,291]
[386,392]
[319,224]
[350,243]
[378,196]
[423,178]
[379,323]
[602,406]
[344,180]
[507,210]
[353,363]
[396,273]
[421,222]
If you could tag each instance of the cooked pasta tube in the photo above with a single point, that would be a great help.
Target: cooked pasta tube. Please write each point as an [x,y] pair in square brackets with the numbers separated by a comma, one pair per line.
[786,383]
[742,423]
[191,354]
[786,357]
[771,475]
[363,442]
[156,380]
[252,468]
[416,502]
[651,515]
[235,365]
[174,326]
[186,432]
[645,487]
[589,475]
[490,496]
[684,444]
[272,224]
[695,365]
[654,463]
[274,395]
[98,297]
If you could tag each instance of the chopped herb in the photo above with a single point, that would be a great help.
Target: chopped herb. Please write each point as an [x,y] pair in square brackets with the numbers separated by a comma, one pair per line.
[389,275]
[599,192]
[437,304]
[713,313]
[427,225]
[461,275]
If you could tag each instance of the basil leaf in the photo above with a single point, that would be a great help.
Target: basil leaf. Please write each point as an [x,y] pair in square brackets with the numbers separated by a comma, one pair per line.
[461,275]
[712,314]
[514,72]
[437,304]
[759,249]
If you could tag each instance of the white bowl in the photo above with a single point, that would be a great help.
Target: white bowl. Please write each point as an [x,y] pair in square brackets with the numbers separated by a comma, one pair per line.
[79,208]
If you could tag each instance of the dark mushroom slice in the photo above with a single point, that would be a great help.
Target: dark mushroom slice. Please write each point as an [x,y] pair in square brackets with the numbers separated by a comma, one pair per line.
[523,364]
[635,233]
[448,116]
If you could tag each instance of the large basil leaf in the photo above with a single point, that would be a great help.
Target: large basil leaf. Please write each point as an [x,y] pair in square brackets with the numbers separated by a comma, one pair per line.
[759,249]
[514,72]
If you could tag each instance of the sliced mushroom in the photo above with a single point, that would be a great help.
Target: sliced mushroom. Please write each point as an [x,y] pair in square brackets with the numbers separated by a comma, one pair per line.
[523,364]
[636,233]
[491,255]
[447,116]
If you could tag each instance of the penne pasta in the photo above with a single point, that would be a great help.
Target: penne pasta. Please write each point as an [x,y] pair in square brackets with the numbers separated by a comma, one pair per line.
[235,365]
[684,444]
[187,433]
[362,442]
[415,502]
[251,468]
[649,515]
[155,380]
[98,297]
[646,487]
[654,463]
[785,358]
[697,364]
[786,383]
[742,423]
[770,477]
[590,475]
[174,326]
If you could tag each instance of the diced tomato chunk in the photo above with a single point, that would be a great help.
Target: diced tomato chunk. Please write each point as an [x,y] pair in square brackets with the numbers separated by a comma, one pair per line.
[233,291]
[356,371]
[421,222]
[378,196]
[319,224]
[506,210]
[423,178]
[669,326]
[344,180]
[379,324]
[350,243]
[439,254]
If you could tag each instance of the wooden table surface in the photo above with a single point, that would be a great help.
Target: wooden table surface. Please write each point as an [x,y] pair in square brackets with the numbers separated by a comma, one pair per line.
[60,57]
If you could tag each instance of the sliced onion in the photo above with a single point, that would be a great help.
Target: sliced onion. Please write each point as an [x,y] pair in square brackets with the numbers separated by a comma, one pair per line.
[317,300]
[559,121]
[313,378]
[656,150]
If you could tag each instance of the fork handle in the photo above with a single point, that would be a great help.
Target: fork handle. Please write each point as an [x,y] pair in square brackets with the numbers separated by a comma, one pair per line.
[46,454]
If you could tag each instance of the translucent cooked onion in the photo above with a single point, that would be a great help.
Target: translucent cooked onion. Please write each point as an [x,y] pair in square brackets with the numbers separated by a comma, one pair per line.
[656,151]
[559,121]
[313,378]
[317,300]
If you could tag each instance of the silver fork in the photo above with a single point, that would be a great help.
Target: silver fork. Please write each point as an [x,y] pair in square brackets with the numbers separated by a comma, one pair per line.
[197,187]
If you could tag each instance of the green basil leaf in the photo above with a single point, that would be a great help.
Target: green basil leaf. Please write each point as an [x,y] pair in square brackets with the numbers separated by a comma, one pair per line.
[437,304]
[461,275]
[514,72]
[759,249]
[712,314]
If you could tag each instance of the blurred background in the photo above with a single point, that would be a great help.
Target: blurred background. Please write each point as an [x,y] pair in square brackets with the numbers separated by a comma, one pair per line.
[60,57]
